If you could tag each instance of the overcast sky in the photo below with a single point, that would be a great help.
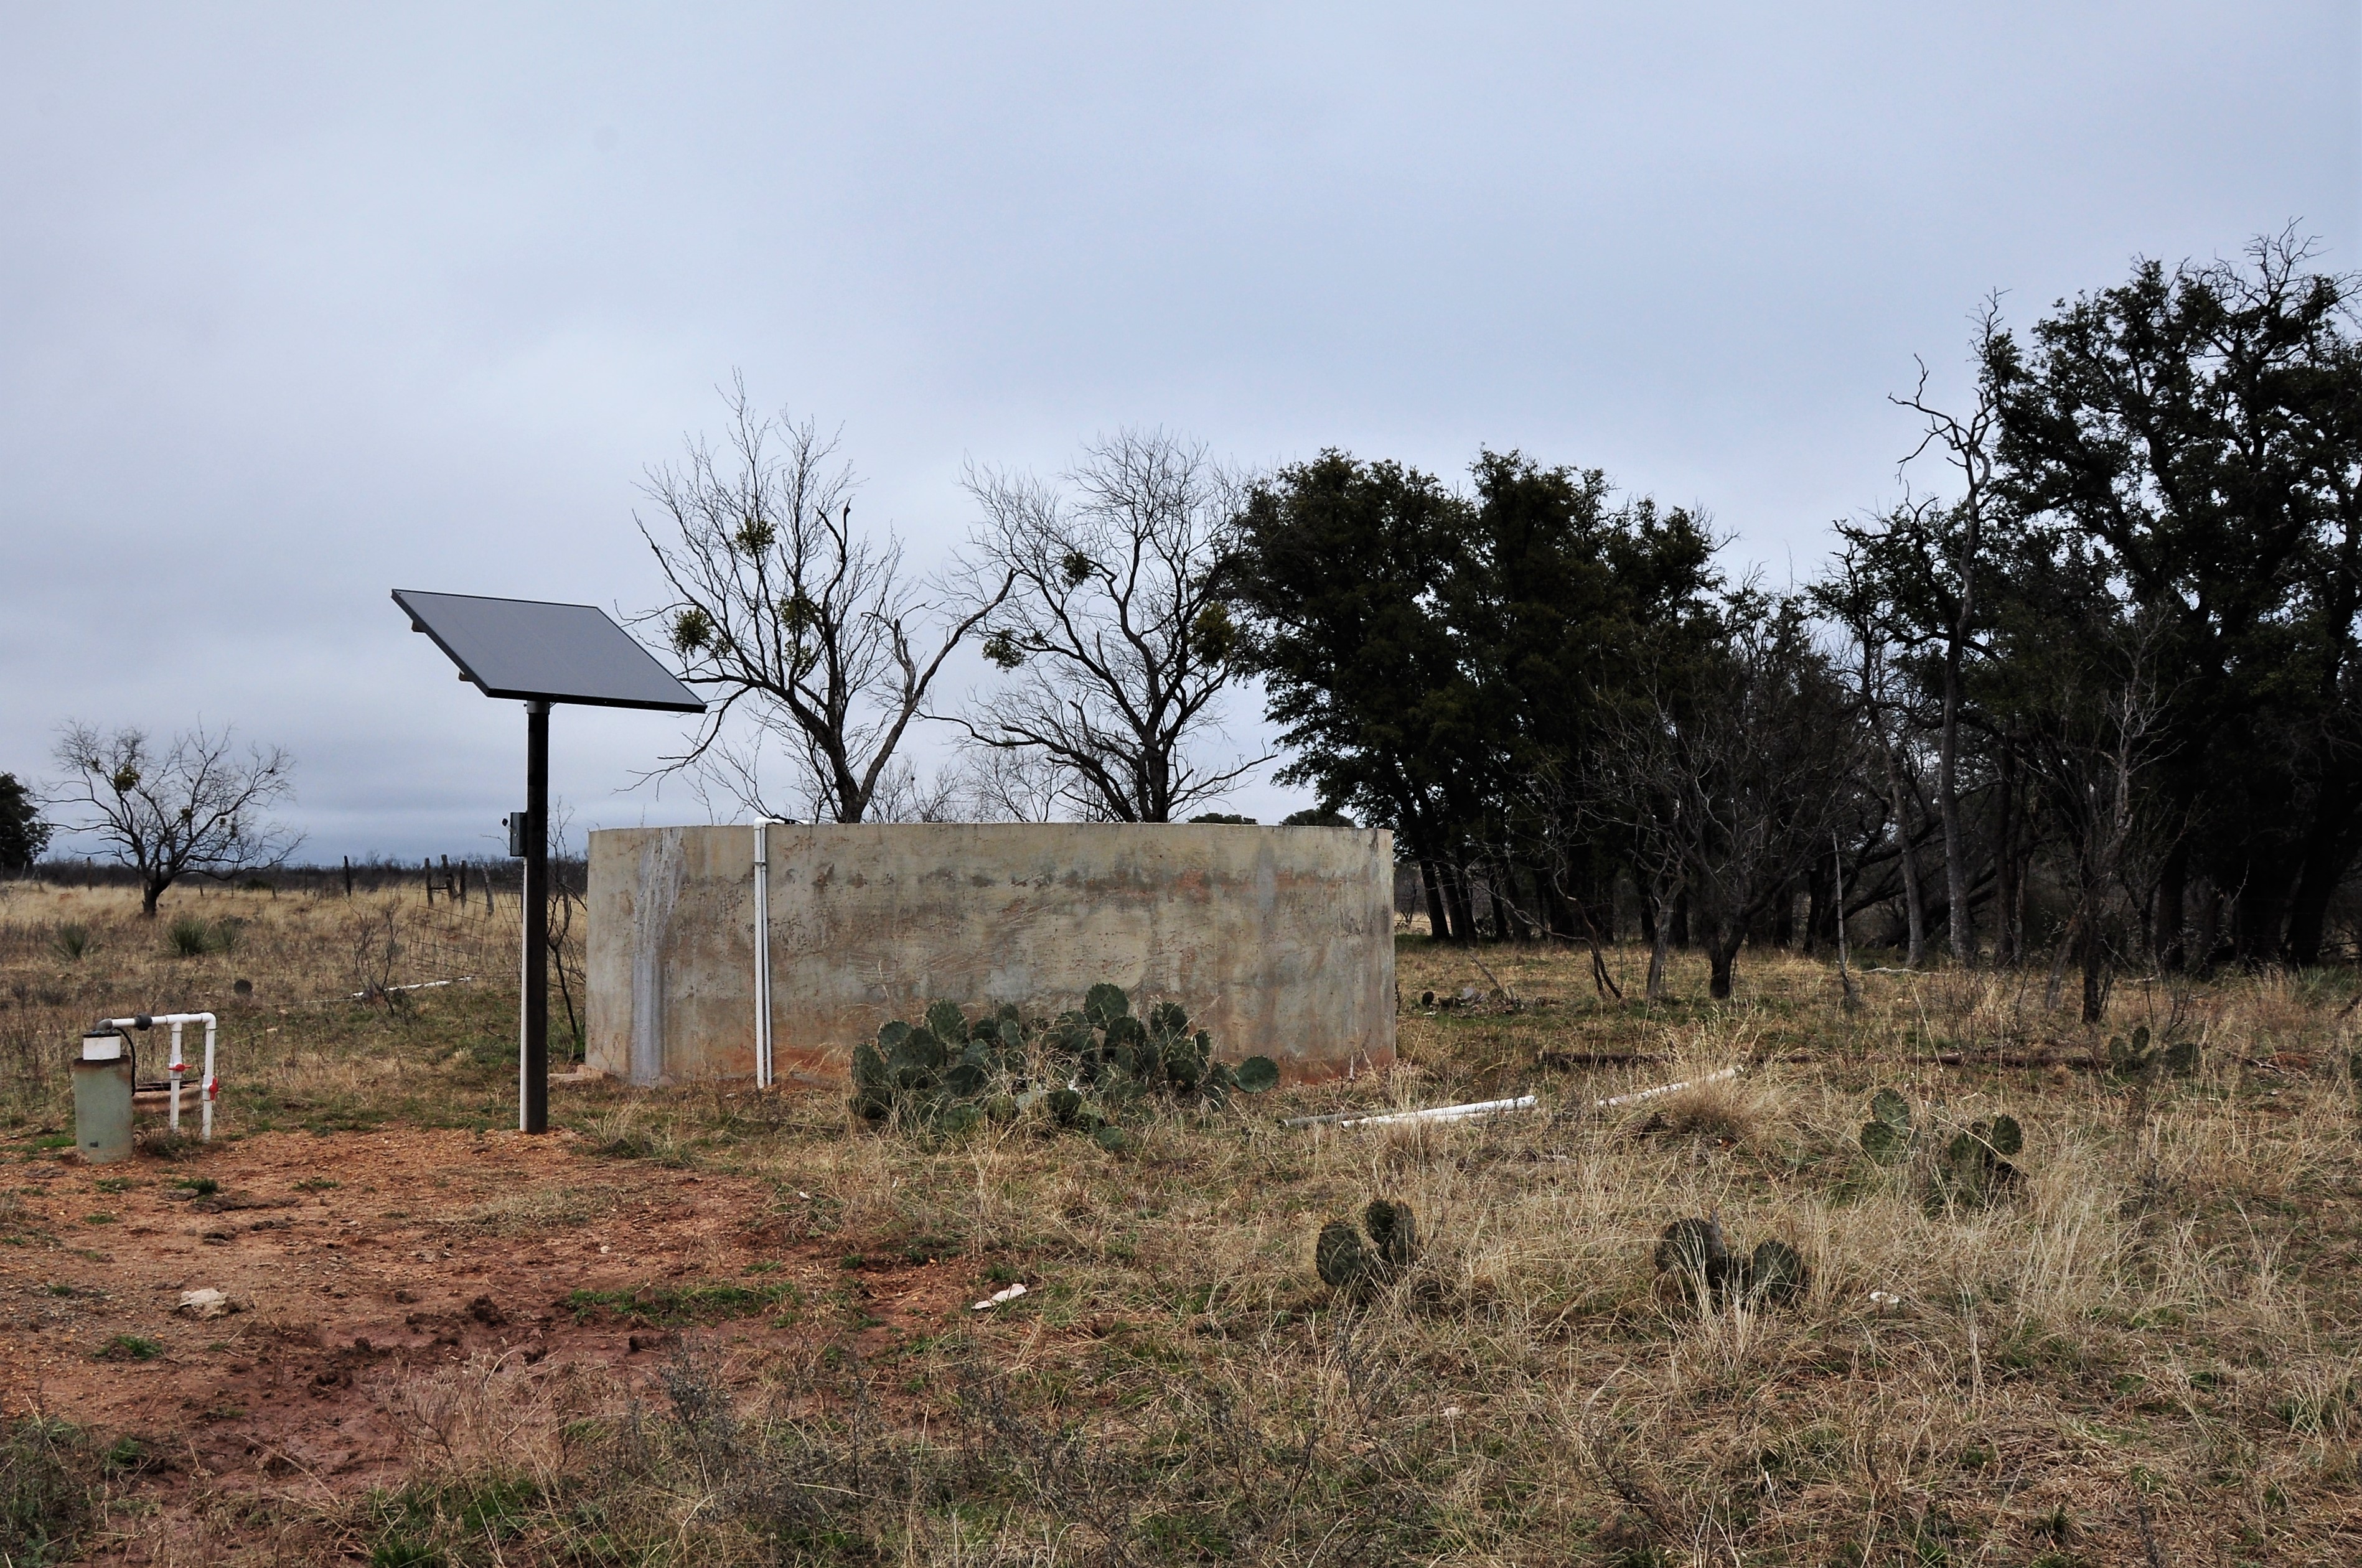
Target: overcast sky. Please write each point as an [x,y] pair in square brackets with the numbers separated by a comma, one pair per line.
[301,305]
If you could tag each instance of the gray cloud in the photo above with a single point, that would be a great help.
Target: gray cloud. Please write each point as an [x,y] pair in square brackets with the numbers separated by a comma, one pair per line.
[297,306]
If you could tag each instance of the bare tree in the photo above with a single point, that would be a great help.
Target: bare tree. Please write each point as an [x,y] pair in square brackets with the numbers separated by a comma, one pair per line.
[788,615]
[1968,444]
[905,795]
[2093,745]
[1857,603]
[1634,792]
[194,809]
[1734,776]
[999,785]
[1118,632]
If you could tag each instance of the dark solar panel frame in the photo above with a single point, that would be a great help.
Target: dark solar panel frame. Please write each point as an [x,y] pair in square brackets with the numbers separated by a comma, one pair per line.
[537,651]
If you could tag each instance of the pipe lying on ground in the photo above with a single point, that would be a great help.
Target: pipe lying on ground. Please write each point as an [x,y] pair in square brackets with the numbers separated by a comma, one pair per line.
[1491,1107]
[1432,1113]
[416,985]
[1615,1100]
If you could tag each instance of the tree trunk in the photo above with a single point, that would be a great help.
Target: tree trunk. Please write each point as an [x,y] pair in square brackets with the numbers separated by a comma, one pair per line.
[2326,859]
[1915,907]
[2088,947]
[1661,943]
[1559,925]
[1722,953]
[1438,924]
[2009,938]
[2092,1000]
[1463,908]
[2173,881]
[2207,928]
[150,890]
[2262,904]
[1503,929]
[1682,919]
[1956,865]
[2309,912]
[1956,868]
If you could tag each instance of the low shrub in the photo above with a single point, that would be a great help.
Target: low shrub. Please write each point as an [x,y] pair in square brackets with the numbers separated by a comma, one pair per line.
[48,1490]
[194,935]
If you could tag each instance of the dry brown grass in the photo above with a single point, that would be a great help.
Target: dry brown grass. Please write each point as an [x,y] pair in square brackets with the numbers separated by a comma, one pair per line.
[2155,1340]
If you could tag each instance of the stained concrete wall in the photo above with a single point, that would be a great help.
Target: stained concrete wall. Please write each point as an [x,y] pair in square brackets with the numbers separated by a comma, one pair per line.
[1278,941]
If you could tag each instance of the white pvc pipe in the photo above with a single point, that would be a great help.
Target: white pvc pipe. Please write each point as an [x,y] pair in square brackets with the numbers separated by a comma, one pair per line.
[1432,1113]
[1494,1107]
[763,953]
[1615,1100]
[210,1086]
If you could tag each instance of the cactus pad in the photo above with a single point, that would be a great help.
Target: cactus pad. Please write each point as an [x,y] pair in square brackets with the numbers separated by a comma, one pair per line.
[1338,1255]
[1393,1233]
[1257,1074]
[1881,1143]
[1776,1275]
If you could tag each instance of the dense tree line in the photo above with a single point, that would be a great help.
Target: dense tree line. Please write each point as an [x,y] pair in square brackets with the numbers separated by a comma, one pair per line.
[2097,699]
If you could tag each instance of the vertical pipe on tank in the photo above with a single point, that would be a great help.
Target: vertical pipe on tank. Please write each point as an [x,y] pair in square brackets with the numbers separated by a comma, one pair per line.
[763,954]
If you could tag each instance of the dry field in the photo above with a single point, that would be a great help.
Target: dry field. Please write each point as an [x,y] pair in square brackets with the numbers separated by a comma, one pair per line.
[709,1327]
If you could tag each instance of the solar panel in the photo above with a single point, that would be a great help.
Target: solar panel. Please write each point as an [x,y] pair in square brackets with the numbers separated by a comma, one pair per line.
[550,652]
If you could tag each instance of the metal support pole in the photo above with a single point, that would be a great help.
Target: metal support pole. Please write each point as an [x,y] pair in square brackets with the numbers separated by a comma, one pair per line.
[533,1058]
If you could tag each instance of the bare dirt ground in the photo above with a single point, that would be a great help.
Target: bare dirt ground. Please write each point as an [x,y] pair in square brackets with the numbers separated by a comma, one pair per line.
[356,1261]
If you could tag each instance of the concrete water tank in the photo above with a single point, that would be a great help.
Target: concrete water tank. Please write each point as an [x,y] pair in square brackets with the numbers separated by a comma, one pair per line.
[1278,941]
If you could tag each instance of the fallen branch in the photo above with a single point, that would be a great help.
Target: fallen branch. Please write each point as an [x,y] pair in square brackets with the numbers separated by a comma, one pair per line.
[2085,1062]
[1593,1059]
[1511,997]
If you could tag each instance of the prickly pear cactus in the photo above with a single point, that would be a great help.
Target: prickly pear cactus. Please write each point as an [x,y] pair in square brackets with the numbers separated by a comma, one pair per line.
[1886,1136]
[1776,1275]
[1694,1255]
[1698,1263]
[1256,1075]
[1349,1259]
[1340,1256]
[1393,1233]
[948,1071]
[1975,1170]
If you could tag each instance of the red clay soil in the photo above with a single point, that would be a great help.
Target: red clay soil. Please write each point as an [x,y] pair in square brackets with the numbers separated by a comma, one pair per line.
[428,1247]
